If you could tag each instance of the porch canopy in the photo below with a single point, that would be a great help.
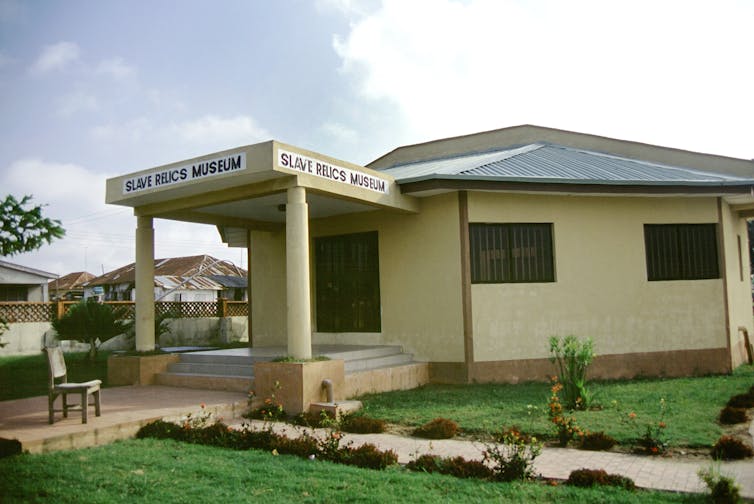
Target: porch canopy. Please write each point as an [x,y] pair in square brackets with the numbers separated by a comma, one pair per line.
[268,187]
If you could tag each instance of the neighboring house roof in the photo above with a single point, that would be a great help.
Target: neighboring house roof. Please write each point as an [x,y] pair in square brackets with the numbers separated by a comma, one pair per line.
[552,163]
[27,270]
[231,281]
[71,281]
[193,272]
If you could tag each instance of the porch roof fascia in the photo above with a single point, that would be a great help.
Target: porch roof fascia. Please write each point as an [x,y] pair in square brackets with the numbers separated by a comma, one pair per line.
[262,175]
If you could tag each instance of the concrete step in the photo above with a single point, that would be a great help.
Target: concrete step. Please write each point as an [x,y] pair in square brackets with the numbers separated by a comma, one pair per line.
[204,381]
[219,369]
[367,353]
[397,359]
[205,358]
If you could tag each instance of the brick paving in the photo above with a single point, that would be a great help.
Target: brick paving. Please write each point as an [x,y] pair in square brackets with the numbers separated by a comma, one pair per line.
[660,473]
[125,409]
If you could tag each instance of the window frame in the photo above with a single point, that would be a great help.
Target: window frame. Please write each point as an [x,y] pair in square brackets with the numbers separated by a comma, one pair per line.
[512,267]
[681,252]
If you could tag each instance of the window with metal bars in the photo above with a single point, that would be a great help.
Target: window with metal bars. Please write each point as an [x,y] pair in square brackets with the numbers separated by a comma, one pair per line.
[511,253]
[681,251]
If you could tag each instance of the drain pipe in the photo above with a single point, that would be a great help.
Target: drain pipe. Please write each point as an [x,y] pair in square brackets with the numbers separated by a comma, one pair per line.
[327,385]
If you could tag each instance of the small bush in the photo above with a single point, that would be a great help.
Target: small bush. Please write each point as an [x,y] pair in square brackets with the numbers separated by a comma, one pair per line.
[368,456]
[513,459]
[730,415]
[462,468]
[301,447]
[730,448]
[456,466]
[742,401]
[514,432]
[723,489]
[439,428]
[362,424]
[591,477]
[9,447]
[597,441]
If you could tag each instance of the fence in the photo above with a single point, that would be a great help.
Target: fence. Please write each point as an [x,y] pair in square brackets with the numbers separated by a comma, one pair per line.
[15,312]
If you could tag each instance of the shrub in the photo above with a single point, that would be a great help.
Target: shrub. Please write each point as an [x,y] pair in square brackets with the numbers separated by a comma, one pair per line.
[362,424]
[565,426]
[439,428]
[456,466]
[89,321]
[513,459]
[730,415]
[368,456]
[723,489]
[9,447]
[597,441]
[742,401]
[730,448]
[302,446]
[572,357]
[592,477]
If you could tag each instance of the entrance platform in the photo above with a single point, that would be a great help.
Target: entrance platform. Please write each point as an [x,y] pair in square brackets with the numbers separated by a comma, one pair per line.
[124,411]
[368,368]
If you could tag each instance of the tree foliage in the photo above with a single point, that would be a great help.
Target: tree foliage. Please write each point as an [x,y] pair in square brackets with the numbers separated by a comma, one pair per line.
[24,228]
[89,321]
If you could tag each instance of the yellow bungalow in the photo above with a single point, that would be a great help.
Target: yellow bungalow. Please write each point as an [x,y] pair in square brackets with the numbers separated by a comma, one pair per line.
[470,252]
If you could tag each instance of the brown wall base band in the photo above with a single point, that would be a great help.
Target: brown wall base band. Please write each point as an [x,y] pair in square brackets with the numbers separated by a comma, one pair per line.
[618,366]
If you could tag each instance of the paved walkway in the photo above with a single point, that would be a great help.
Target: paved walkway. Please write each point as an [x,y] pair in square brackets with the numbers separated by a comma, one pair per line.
[660,473]
[126,409]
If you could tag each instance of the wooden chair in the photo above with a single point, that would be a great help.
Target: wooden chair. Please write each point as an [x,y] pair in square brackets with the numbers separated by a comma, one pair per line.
[59,386]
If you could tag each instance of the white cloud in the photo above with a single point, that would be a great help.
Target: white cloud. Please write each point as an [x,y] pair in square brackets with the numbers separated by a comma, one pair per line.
[98,236]
[221,132]
[56,57]
[670,72]
[116,68]
[170,141]
[76,102]
[340,132]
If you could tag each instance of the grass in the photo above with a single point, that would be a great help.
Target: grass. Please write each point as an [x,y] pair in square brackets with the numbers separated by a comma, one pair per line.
[693,405]
[27,375]
[167,471]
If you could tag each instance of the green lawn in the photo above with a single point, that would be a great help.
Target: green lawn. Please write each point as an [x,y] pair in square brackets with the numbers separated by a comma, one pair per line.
[167,471]
[27,375]
[693,405]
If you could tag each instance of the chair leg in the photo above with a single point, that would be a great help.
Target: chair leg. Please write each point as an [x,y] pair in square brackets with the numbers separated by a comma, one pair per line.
[51,407]
[97,406]
[84,406]
[65,404]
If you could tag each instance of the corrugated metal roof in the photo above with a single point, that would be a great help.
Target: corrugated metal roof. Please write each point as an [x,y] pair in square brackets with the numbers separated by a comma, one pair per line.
[175,267]
[543,162]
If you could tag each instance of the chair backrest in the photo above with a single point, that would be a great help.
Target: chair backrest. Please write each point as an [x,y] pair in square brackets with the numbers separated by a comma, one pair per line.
[56,364]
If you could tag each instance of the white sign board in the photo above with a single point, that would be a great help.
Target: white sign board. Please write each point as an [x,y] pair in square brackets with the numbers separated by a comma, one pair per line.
[179,174]
[340,174]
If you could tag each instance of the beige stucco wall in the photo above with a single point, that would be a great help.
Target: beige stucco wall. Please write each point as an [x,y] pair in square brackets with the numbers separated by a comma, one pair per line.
[738,281]
[267,289]
[601,288]
[419,280]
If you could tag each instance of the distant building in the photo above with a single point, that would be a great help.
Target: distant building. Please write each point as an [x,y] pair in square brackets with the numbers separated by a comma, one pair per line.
[21,283]
[69,287]
[194,278]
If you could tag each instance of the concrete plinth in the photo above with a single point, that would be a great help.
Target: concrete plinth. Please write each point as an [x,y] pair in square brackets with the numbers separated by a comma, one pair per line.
[137,369]
[335,409]
[296,385]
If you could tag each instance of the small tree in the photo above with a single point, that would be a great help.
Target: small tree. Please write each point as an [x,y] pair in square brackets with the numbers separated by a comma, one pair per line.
[572,357]
[89,322]
[24,229]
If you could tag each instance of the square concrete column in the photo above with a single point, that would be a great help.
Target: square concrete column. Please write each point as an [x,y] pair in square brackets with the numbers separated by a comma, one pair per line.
[144,317]
[298,304]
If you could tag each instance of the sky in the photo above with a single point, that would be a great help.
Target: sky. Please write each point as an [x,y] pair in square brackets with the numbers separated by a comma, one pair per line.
[91,89]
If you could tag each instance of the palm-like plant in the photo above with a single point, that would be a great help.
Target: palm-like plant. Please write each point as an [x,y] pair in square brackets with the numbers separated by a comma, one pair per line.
[89,322]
